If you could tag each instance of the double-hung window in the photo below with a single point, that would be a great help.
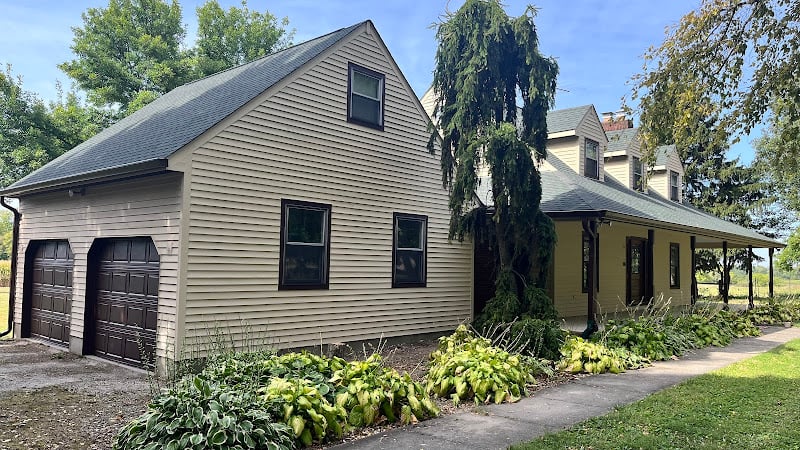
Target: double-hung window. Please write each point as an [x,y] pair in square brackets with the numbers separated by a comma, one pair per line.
[591,165]
[305,245]
[365,97]
[409,256]
[674,186]
[674,265]
[638,184]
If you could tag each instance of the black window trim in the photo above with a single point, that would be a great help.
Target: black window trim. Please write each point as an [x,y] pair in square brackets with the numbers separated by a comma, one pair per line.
[675,188]
[596,158]
[424,219]
[351,67]
[285,204]
[676,265]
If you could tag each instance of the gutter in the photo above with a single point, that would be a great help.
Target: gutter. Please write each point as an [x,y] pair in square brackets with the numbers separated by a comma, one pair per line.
[12,281]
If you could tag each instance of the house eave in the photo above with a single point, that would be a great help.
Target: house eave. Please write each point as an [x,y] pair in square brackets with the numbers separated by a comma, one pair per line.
[561,134]
[133,170]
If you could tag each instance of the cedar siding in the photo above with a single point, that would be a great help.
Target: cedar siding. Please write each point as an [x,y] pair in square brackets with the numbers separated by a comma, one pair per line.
[297,145]
[147,207]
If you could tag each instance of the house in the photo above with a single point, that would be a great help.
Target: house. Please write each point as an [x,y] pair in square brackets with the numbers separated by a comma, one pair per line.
[624,238]
[290,200]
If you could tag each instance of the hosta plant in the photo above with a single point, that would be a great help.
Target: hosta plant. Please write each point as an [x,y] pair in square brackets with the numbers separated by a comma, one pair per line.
[202,414]
[466,367]
[371,392]
[579,355]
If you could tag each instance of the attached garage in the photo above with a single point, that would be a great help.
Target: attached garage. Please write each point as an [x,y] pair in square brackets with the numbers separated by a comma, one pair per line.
[122,311]
[49,301]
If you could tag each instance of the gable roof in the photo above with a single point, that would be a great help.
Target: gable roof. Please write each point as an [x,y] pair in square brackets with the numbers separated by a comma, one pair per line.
[567,194]
[566,119]
[662,154]
[620,141]
[147,137]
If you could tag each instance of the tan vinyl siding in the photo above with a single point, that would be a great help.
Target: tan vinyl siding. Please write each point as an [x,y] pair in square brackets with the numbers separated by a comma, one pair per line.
[659,180]
[569,299]
[143,207]
[620,169]
[298,145]
[568,150]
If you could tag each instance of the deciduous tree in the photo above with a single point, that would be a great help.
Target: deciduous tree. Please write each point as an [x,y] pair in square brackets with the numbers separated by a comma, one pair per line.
[236,36]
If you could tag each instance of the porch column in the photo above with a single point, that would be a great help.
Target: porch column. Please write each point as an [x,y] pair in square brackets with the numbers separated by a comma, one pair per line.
[750,277]
[725,273]
[651,284]
[771,274]
[692,247]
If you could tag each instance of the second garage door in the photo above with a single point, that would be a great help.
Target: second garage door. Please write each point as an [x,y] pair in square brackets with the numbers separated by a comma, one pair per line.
[126,299]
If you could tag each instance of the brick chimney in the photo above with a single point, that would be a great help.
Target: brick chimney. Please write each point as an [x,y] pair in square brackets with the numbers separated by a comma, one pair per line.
[613,121]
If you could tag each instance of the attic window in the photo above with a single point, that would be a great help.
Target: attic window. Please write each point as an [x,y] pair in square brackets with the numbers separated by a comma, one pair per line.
[365,97]
[637,174]
[591,167]
[674,186]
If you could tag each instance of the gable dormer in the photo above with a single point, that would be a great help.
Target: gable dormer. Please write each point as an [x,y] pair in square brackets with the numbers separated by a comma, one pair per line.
[666,175]
[576,137]
[623,158]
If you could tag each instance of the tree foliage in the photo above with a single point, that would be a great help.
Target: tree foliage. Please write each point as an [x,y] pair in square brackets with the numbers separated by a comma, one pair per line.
[128,51]
[486,61]
[236,36]
[729,59]
[789,257]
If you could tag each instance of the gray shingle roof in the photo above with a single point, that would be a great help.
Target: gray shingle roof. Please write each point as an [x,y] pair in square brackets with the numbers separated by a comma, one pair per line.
[620,140]
[566,119]
[178,117]
[662,154]
[564,191]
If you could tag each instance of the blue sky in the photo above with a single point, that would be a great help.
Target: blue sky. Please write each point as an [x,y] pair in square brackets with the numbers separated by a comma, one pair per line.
[598,44]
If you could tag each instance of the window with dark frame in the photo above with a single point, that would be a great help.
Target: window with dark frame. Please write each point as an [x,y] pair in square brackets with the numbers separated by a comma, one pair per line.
[674,265]
[638,185]
[365,97]
[591,166]
[674,186]
[409,255]
[305,245]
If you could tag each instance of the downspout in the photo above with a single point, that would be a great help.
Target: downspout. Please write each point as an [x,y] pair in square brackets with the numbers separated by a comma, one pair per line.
[12,280]
[590,228]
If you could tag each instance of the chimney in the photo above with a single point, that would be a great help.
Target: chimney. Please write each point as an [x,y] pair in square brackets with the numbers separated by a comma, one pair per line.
[616,121]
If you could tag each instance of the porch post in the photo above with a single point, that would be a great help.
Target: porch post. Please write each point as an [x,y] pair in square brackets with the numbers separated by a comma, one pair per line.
[693,245]
[590,228]
[725,273]
[771,274]
[750,277]
[651,285]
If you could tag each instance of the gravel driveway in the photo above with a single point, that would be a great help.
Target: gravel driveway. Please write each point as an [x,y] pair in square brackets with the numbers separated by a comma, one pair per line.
[51,399]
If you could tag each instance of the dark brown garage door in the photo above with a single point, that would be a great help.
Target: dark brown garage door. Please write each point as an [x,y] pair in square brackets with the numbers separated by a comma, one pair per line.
[126,300]
[50,292]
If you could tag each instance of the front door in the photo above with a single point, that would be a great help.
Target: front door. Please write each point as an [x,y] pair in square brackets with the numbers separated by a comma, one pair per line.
[636,270]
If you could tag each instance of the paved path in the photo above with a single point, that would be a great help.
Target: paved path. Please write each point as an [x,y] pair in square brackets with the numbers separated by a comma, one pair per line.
[553,409]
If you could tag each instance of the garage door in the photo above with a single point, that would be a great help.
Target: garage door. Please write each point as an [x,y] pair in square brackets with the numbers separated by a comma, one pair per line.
[126,300]
[50,291]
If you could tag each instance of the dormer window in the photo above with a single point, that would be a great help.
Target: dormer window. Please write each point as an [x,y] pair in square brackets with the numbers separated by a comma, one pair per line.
[590,168]
[365,97]
[674,186]
[638,184]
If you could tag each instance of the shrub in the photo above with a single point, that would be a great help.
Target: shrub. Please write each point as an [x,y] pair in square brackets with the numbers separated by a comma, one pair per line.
[5,273]
[200,414]
[776,311]
[466,366]
[304,408]
[542,338]
[643,337]
[579,355]
[368,390]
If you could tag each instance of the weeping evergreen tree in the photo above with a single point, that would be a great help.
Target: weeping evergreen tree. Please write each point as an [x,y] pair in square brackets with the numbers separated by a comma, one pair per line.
[486,63]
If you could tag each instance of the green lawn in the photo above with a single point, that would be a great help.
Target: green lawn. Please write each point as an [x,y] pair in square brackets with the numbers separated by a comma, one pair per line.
[748,405]
[3,308]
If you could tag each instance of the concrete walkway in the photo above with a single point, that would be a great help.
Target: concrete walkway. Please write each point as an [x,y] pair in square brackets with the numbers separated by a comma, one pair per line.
[557,408]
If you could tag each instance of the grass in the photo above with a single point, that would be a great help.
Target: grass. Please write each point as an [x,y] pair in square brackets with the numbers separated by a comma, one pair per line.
[3,308]
[751,404]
